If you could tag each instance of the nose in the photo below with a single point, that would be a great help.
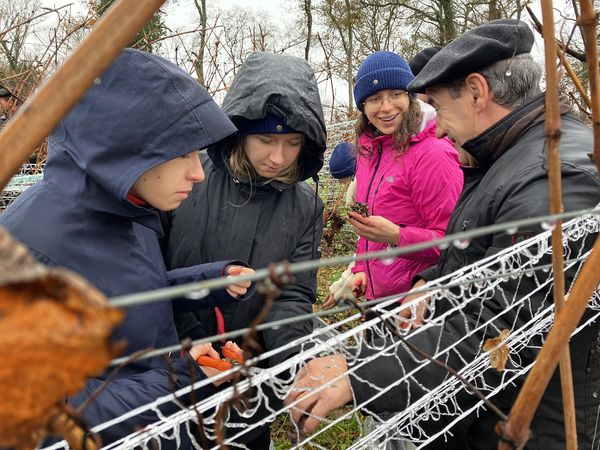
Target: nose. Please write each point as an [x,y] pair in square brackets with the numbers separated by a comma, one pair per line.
[386,104]
[196,172]
[276,156]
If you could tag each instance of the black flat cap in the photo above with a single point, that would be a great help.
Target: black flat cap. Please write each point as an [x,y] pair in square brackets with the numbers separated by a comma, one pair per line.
[4,92]
[421,59]
[473,51]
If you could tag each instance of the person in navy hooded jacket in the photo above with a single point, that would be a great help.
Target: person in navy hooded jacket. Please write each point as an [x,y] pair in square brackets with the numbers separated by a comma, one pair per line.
[126,151]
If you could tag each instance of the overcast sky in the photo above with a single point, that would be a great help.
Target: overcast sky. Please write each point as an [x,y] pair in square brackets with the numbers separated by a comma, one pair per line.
[181,15]
[181,12]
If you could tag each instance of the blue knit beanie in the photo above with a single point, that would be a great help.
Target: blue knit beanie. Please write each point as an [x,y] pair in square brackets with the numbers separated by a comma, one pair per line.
[270,124]
[381,70]
[342,163]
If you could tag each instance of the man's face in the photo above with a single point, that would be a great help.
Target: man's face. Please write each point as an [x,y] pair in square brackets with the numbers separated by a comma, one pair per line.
[456,117]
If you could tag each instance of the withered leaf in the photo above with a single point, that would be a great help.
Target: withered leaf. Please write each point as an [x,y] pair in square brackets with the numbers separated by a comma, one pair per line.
[54,333]
[498,351]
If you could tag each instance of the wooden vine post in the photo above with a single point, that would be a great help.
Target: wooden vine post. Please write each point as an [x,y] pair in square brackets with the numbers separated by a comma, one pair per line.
[552,127]
[515,432]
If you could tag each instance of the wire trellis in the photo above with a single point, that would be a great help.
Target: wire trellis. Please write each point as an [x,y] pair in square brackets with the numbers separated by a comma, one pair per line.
[518,277]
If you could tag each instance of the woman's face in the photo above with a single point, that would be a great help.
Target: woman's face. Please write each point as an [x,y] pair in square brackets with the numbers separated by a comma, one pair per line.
[165,186]
[271,154]
[385,109]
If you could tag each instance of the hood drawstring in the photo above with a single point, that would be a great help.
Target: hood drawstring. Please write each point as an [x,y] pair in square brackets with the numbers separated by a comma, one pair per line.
[137,201]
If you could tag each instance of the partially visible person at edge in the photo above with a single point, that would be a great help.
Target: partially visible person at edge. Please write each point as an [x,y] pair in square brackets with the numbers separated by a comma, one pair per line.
[255,183]
[419,61]
[342,166]
[7,105]
[117,159]
[485,88]
[408,178]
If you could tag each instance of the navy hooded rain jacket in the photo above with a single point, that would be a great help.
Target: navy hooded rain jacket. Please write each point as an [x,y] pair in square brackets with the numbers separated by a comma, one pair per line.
[141,113]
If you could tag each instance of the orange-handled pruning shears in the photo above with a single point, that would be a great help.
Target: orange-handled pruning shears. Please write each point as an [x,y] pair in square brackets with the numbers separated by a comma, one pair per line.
[230,354]
[221,364]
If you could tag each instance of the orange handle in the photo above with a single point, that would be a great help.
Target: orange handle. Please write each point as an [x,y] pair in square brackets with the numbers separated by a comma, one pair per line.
[215,363]
[230,354]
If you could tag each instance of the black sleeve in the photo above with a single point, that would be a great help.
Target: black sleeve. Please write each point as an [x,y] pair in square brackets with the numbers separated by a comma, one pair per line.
[297,298]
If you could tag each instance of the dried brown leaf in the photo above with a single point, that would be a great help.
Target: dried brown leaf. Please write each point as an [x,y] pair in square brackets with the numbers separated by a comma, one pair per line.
[498,352]
[54,333]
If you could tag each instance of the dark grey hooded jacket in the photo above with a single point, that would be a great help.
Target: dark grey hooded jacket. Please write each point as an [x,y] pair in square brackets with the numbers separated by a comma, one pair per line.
[225,217]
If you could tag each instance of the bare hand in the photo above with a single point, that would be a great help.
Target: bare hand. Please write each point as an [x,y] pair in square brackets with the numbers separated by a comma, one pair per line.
[207,350]
[240,288]
[420,306]
[358,284]
[330,302]
[312,406]
[375,228]
[204,350]
[234,348]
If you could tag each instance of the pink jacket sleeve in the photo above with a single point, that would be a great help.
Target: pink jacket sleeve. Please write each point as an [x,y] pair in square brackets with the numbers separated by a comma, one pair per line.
[361,177]
[436,181]
[360,266]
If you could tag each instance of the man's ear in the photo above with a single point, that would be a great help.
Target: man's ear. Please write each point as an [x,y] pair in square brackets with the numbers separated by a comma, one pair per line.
[476,87]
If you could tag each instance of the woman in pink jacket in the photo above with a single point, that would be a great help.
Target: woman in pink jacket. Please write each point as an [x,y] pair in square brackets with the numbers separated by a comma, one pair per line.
[409,180]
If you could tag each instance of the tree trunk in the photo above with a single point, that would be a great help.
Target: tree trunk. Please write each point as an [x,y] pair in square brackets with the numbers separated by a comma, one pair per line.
[349,56]
[199,63]
[308,12]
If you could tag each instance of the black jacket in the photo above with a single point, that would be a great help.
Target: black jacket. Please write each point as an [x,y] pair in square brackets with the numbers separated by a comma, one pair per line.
[510,183]
[226,217]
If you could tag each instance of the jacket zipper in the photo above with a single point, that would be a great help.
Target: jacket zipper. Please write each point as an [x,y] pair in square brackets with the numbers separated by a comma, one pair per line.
[372,211]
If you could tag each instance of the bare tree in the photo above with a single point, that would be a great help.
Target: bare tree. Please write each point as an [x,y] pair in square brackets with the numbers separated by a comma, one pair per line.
[341,18]
[16,22]
[146,39]
[199,63]
[307,7]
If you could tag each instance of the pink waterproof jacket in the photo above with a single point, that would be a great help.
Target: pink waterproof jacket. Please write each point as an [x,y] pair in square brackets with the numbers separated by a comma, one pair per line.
[417,191]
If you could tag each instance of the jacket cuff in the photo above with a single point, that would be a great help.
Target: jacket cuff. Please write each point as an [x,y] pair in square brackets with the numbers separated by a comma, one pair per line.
[181,367]
[235,262]
[359,266]
[431,273]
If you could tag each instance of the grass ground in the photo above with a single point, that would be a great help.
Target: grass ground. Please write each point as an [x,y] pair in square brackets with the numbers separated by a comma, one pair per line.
[339,437]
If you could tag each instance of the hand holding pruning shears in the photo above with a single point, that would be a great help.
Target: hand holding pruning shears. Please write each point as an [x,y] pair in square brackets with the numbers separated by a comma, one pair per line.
[210,361]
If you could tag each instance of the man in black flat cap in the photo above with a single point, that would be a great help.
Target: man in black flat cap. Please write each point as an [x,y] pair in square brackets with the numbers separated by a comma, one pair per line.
[485,87]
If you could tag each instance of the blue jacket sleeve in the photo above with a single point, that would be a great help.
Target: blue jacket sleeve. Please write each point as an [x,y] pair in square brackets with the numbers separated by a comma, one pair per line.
[202,272]
[125,394]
